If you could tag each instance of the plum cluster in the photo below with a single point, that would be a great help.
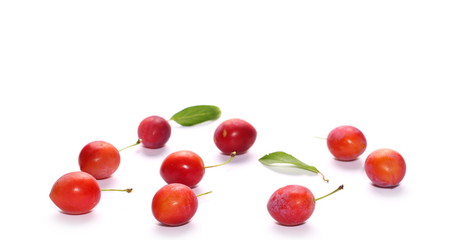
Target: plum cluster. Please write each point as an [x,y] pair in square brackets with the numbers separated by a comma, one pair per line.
[292,205]
[175,203]
[384,167]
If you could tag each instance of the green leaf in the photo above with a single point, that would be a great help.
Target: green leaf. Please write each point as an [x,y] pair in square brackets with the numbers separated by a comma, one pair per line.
[196,114]
[278,158]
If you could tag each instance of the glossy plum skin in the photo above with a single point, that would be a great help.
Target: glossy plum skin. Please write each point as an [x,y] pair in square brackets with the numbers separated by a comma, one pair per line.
[291,205]
[174,204]
[346,143]
[385,168]
[100,159]
[234,135]
[154,132]
[183,167]
[75,193]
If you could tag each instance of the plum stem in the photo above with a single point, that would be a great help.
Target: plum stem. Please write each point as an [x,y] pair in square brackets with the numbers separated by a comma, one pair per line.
[338,189]
[135,144]
[226,162]
[322,138]
[128,190]
[205,193]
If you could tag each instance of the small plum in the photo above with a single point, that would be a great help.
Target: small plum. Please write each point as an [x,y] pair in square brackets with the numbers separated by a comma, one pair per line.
[174,204]
[154,132]
[185,167]
[234,135]
[292,205]
[100,159]
[385,168]
[346,143]
[75,193]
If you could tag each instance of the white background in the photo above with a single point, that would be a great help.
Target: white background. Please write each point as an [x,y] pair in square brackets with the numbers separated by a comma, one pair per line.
[77,71]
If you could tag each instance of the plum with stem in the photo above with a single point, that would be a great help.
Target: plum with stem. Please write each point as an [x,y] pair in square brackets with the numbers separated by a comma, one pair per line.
[292,205]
